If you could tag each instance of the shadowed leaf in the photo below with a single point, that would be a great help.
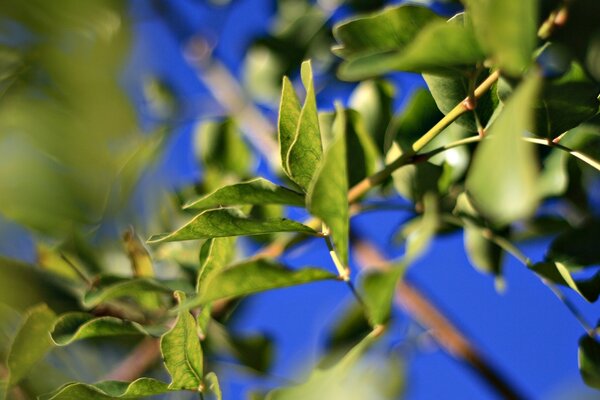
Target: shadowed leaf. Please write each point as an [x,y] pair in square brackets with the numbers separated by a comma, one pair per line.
[108,390]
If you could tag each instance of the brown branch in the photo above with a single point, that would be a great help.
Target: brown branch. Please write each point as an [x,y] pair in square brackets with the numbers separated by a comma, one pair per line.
[145,354]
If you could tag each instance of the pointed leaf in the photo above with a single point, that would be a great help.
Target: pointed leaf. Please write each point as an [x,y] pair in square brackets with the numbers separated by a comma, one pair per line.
[378,293]
[589,361]
[503,177]
[211,383]
[31,342]
[558,273]
[305,150]
[289,115]
[577,247]
[507,30]
[252,277]
[113,288]
[219,253]
[256,192]
[181,351]
[328,193]
[109,390]
[229,222]
[74,326]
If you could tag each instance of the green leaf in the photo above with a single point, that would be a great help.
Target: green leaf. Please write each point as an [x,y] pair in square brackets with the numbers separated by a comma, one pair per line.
[378,293]
[305,150]
[450,90]
[256,191]
[589,361]
[350,327]
[74,326]
[181,351]
[506,30]
[252,277]
[254,351]
[503,176]
[558,273]
[328,193]
[577,247]
[439,48]
[219,253]
[229,222]
[113,288]
[108,390]
[289,115]
[31,342]
[211,383]
[483,254]
[373,99]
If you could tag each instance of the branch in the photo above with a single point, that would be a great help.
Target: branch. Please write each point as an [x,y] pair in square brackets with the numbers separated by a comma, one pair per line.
[137,362]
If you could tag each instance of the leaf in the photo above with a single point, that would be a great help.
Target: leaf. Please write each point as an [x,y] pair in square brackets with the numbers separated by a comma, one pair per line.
[373,99]
[142,266]
[577,247]
[74,326]
[328,193]
[305,150]
[181,351]
[212,384]
[254,276]
[31,342]
[219,253]
[114,288]
[254,351]
[289,115]
[503,176]
[483,254]
[558,273]
[439,48]
[350,327]
[224,222]
[506,30]
[107,390]
[378,293]
[589,361]
[256,191]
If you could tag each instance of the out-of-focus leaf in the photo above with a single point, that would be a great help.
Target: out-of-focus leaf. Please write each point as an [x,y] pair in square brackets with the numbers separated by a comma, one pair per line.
[414,180]
[109,390]
[577,247]
[553,179]
[589,361]
[354,377]
[229,222]
[113,288]
[305,149]
[256,191]
[503,176]
[378,293]
[181,351]
[373,99]
[211,384]
[254,351]
[506,30]
[483,254]
[449,91]
[439,48]
[142,266]
[251,277]
[219,252]
[558,273]
[361,152]
[74,326]
[31,343]
[348,329]
[328,192]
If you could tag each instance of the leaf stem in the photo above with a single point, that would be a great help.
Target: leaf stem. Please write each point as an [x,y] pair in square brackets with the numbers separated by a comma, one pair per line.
[343,270]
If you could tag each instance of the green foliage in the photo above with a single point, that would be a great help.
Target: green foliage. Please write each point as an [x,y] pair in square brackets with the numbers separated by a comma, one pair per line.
[109,390]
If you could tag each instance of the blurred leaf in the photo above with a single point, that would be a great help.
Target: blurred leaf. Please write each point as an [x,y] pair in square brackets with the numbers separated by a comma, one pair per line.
[305,149]
[219,253]
[554,179]
[349,328]
[483,254]
[589,361]
[506,30]
[328,192]
[373,99]
[361,153]
[251,277]
[74,326]
[181,351]
[213,387]
[414,180]
[142,267]
[256,191]
[558,273]
[503,176]
[254,351]
[449,91]
[378,289]
[577,247]
[439,48]
[108,390]
[224,222]
[31,342]
[111,288]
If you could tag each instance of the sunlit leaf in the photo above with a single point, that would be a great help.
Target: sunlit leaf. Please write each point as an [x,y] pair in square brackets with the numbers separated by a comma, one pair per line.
[305,150]
[219,253]
[181,351]
[506,30]
[256,191]
[108,390]
[229,222]
[328,192]
[31,342]
[74,326]
[503,176]
[557,272]
[212,386]
[378,289]
[483,254]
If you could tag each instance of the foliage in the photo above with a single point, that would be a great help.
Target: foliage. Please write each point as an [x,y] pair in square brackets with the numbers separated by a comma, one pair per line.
[508,125]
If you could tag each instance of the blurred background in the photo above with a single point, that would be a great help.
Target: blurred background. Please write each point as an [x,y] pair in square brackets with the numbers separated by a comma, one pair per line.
[110,109]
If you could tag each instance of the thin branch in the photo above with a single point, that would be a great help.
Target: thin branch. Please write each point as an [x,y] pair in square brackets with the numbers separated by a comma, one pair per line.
[137,362]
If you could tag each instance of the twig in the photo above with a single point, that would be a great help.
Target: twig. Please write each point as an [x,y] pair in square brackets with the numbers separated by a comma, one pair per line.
[137,362]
